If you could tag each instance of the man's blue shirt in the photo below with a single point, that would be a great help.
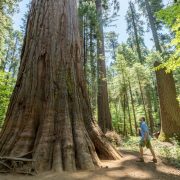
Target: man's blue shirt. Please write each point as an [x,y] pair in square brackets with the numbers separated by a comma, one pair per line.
[144,129]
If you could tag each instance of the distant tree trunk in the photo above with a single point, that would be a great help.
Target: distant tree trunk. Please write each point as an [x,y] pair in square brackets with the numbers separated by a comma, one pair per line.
[162,80]
[138,49]
[155,95]
[49,115]
[124,115]
[129,114]
[120,119]
[153,26]
[142,97]
[116,110]
[4,62]
[85,39]
[81,34]
[133,108]
[149,108]
[104,116]
[13,59]
[93,71]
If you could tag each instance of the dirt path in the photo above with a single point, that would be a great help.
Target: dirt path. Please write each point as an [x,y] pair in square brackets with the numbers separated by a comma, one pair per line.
[127,169]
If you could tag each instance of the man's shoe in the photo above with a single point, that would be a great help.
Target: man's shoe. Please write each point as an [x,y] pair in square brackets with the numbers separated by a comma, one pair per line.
[140,160]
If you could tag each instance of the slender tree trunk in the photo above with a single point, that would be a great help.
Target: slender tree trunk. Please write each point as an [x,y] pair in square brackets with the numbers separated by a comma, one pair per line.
[149,108]
[49,115]
[155,95]
[129,114]
[3,63]
[104,116]
[133,108]
[93,71]
[116,110]
[120,119]
[81,34]
[124,115]
[142,97]
[12,64]
[136,32]
[85,40]
[153,26]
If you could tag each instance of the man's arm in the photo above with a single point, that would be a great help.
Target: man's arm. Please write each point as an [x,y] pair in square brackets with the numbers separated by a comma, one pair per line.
[145,130]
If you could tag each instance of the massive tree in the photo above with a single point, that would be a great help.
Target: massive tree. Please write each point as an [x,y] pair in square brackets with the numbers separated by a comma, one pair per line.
[49,118]
[169,107]
[170,110]
[104,116]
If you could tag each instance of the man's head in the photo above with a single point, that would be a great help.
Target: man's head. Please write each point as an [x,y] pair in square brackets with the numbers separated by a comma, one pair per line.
[142,119]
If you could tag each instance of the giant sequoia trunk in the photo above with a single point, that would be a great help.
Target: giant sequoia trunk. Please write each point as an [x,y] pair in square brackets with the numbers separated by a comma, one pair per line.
[49,116]
[169,108]
[104,116]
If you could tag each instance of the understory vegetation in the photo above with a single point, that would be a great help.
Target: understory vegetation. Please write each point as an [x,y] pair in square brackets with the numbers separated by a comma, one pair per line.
[168,152]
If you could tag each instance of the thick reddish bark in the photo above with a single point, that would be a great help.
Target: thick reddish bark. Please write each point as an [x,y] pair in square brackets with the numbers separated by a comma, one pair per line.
[49,115]
[169,106]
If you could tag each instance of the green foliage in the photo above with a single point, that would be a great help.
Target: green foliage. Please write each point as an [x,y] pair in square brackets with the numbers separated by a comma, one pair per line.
[7,8]
[13,52]
[135,23]
[169,152]
[6,88]
[112,43]
[131,143]
[10,47]
[124,72]
[171,17]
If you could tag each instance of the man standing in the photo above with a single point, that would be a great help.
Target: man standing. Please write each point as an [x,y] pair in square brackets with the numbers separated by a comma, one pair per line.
[145,140]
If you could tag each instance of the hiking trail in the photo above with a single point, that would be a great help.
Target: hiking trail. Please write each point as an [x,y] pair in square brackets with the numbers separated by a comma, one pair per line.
[126,169]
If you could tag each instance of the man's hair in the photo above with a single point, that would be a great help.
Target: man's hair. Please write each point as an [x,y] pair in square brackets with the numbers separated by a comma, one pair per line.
[143,118]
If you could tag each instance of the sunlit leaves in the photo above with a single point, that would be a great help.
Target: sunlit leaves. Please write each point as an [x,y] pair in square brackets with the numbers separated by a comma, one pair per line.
[171,17]
[6,87]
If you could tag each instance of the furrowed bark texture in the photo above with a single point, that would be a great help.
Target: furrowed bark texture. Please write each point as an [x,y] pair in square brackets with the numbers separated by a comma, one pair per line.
[49,113]
[169,106]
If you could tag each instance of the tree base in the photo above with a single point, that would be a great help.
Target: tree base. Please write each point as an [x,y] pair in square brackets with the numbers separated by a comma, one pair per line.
[169,137]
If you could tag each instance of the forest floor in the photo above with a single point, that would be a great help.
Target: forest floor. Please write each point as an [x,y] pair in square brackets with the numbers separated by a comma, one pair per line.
[127,168]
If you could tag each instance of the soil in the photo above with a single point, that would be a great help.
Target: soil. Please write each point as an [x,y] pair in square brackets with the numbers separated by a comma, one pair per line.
[127,169]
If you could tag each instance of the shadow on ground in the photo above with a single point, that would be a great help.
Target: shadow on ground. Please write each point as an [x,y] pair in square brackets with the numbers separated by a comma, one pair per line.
[126,169]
